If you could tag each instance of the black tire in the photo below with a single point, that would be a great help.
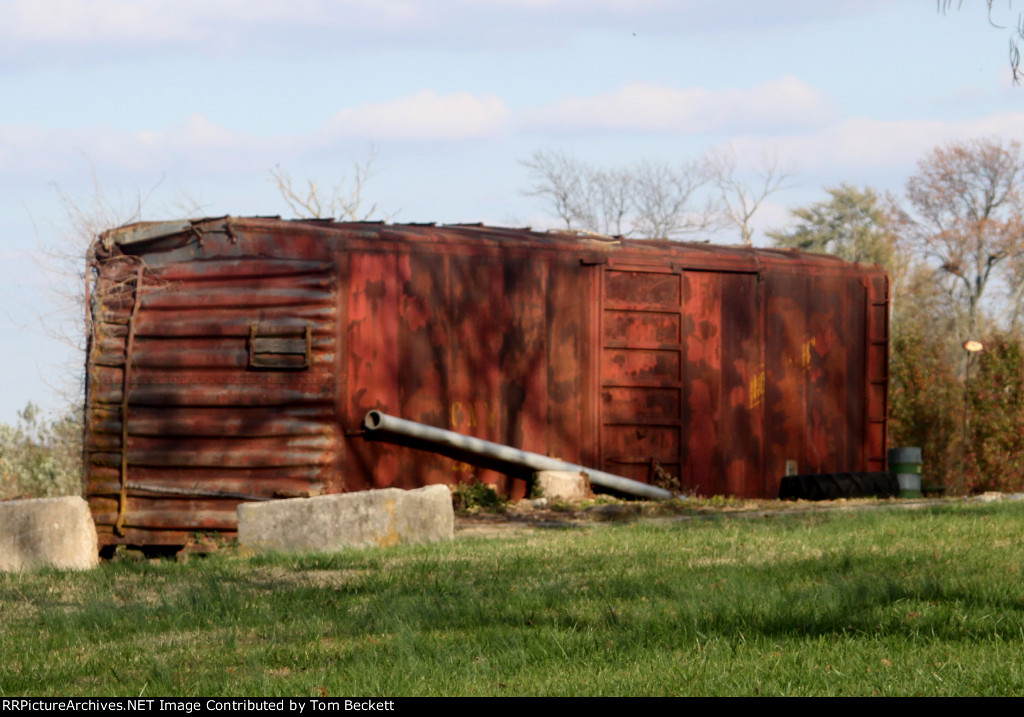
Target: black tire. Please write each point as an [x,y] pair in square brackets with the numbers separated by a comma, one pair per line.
[832,486]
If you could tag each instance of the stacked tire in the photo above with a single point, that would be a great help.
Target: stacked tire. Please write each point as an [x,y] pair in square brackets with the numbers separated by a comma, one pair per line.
[832,486]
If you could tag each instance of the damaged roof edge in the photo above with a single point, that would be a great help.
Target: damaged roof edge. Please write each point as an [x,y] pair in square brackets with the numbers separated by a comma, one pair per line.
[141,232]
[144,231]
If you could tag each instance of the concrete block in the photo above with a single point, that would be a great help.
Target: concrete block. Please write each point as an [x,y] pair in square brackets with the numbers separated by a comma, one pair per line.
[372,518]
[563,485]
[54,532]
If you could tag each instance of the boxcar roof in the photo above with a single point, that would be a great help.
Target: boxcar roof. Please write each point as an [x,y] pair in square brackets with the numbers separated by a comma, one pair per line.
[141,237]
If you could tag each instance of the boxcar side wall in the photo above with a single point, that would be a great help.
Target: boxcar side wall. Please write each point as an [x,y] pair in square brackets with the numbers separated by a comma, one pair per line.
[235,359]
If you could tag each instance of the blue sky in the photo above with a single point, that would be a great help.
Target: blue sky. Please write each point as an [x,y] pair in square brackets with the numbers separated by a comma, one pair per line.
[185,106]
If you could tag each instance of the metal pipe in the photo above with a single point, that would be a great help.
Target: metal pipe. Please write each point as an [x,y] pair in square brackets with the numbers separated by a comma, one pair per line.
[377,422]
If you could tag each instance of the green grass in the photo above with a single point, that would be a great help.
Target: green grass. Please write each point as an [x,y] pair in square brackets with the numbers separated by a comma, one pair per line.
[925,602]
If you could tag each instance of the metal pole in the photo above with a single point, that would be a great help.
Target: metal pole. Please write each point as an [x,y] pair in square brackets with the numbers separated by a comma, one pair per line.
[375,421]
[971,347]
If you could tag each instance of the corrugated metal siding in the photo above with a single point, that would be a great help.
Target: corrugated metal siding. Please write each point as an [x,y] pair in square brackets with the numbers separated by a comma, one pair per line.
[723,365]
[199,418]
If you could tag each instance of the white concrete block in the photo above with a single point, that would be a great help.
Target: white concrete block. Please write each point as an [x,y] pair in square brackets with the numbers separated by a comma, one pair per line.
[56,532]
[563,485]
[372,518]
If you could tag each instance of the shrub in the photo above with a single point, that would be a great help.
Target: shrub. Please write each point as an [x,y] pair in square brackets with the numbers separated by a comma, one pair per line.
[40,458]
[995,459]
[476,497]
[926,404]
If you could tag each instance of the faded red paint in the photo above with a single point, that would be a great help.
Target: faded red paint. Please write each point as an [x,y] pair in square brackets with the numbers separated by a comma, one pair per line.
[720,364]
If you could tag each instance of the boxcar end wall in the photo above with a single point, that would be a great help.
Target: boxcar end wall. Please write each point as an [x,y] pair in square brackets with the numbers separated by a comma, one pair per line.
[234,359]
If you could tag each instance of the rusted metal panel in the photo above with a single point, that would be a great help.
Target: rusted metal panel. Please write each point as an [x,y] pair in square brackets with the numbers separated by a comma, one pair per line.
[476,305]
[239,356]
[423,360]
[742,378]
[372,363]
[523,368]
[875,369]
[183,391]
[703,383]
[641,365]
[569,436]
[787,359]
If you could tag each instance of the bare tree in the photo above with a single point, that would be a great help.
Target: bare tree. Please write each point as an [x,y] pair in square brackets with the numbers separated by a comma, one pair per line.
[649,199]
[611,200]
[739,200]
[665,199]
[560,180]
[969,198]
[1015,294]
[344,201]
[65,257]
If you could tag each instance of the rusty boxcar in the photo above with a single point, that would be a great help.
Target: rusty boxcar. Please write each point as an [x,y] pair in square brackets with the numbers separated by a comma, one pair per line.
[234,359]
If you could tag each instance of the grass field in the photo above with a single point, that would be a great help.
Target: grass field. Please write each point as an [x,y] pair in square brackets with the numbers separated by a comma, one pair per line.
[889,602]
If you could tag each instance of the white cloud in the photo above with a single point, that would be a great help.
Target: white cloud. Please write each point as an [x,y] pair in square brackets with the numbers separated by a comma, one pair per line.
[845,149]
[656,108]
[198,133]
[863,143]
[31,155]
[109,25]
[425,115]
[25,21]
[84,31]
[36,154]
[149,22]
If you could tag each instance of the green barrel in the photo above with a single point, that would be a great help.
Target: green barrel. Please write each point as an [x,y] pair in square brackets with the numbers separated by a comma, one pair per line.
[905,463]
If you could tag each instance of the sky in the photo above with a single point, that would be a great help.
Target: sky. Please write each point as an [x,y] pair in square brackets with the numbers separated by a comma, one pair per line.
[113,110]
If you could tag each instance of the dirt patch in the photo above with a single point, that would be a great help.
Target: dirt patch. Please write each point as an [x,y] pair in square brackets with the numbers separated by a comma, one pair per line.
[526,515]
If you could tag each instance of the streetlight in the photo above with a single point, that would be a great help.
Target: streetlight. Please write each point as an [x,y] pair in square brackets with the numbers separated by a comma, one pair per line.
[971,347]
